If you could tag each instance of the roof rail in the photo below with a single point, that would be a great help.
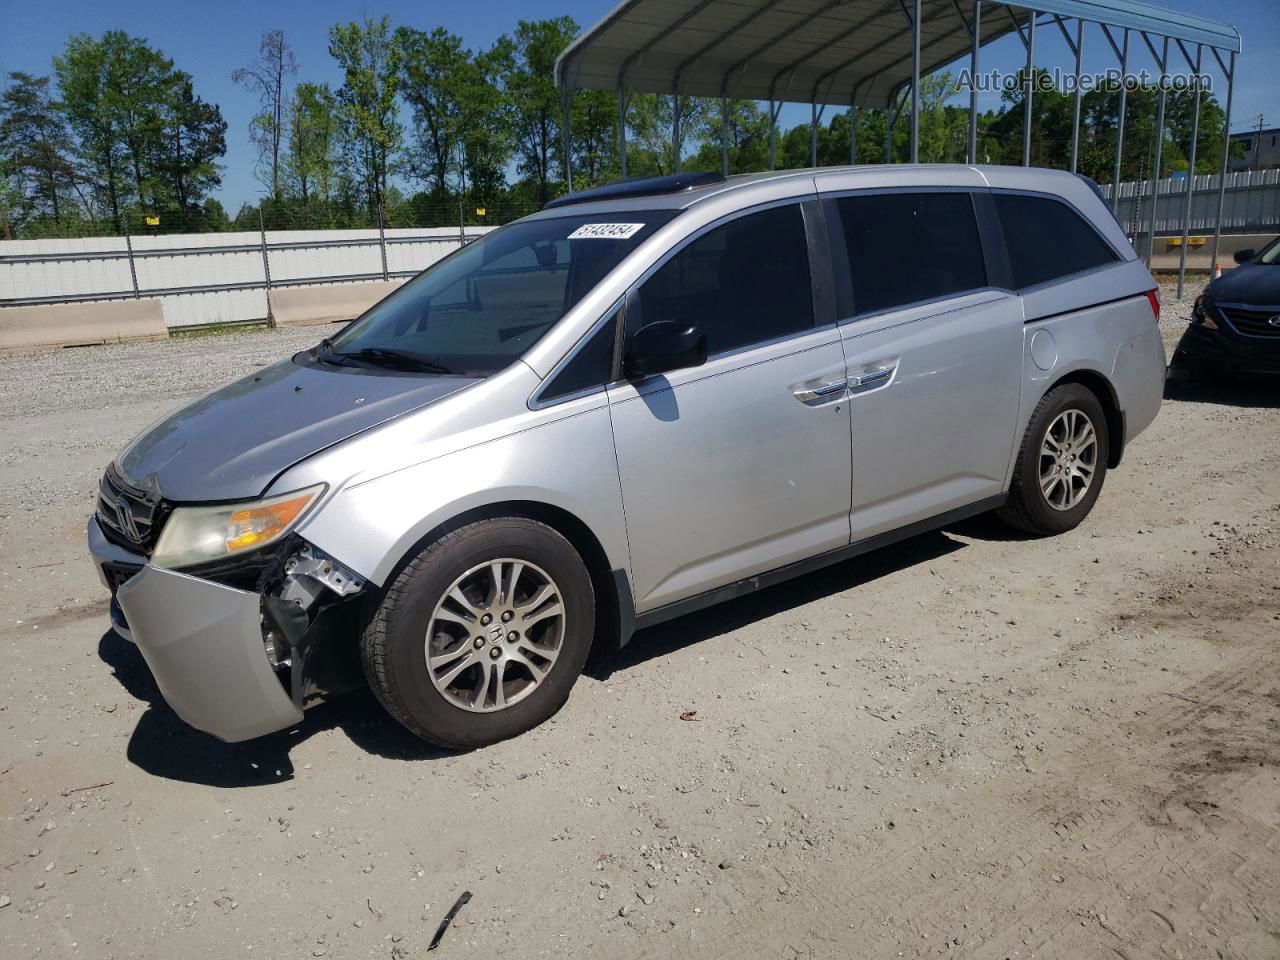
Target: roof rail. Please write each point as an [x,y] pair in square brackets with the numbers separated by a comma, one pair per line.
[637,187]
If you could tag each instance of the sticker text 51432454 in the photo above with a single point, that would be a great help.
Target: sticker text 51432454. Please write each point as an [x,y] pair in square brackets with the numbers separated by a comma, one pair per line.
[605,231]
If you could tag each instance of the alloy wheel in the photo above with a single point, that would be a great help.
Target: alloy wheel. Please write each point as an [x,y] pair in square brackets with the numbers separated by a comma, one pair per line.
[495,634]
[1068,459]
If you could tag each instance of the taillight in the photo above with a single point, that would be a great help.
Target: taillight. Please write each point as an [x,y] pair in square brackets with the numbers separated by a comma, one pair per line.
[1153,297]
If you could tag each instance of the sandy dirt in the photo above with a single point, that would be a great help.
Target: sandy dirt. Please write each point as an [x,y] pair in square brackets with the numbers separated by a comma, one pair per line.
[967,745]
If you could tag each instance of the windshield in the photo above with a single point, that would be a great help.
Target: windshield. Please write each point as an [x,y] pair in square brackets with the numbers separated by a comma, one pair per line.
[1271,252]
[479,309]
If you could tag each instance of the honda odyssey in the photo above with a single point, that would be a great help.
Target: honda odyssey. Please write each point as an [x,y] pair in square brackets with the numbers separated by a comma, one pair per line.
[642,400]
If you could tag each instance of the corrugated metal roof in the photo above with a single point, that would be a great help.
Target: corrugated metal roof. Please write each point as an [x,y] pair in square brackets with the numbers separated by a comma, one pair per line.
[819,51]
[1142,16]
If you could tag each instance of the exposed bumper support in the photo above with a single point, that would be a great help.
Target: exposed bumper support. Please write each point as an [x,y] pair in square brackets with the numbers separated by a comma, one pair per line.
[203,643]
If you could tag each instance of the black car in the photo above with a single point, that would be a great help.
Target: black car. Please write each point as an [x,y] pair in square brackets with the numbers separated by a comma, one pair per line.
[1235,325]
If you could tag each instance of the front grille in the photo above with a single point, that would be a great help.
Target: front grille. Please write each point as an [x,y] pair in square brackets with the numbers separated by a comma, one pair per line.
[1254,322]
[129,516]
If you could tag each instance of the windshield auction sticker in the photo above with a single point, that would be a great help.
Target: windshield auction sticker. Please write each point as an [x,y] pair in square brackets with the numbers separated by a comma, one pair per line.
[606,231]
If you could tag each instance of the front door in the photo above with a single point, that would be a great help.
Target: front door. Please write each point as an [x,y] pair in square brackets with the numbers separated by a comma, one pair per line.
[741,465]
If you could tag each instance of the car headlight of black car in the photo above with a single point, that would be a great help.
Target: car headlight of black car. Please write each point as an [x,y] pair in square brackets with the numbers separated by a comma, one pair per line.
[1203,312]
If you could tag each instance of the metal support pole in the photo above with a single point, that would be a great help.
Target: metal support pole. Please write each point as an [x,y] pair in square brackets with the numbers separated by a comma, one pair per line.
[1191,174]
[891,117]
[853,134]
[462,189]
[1026,104]
[567,142]
[1115,176]
[724,135]
[266,266]
[915,85]
[1155,170]
[133,270]
[1226,153]
[622,130]
[973,89]
[773,133]
[382,242]
[675,132]
[813,134]
[1075,123]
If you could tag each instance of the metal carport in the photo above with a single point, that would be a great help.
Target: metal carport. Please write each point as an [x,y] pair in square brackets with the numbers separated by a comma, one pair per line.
[860,53]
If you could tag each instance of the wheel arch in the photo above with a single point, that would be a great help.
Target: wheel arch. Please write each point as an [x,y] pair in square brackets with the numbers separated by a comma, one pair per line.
[614,607]
[1101,387]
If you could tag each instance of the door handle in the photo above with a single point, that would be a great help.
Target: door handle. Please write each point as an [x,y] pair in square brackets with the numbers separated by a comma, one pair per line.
[870,381]
[822,393]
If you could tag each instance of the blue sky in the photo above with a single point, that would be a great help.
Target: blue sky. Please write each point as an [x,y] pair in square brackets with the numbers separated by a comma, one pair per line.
[211,40]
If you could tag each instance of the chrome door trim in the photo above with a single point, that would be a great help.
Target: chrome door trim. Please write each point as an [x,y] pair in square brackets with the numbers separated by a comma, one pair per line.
[824,393]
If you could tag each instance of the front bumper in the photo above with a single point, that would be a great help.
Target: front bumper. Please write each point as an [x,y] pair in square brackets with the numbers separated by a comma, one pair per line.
[203,643]
[1229,350]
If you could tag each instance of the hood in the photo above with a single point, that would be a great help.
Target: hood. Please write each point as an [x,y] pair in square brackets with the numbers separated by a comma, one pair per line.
[1255,284]
[230,444]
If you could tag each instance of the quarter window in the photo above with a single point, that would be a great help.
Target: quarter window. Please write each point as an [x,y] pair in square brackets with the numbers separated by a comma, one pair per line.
[1047,239]
[745,282]
[591,366]
[906,247]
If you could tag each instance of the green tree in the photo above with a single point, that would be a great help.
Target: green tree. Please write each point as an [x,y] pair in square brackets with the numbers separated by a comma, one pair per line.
[748,129]
[267,76]
[535,101]
[310,162]
[367,102]
[196,138]
[651,119]
[486,120]
[144,136]
[594,128]
[436,66]
[35,149]
[84,77]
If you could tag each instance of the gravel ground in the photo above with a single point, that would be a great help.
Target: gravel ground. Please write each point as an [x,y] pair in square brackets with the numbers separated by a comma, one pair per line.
[969,744]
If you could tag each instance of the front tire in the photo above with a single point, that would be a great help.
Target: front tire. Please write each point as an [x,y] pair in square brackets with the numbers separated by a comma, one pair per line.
[1062,463]
[483,634]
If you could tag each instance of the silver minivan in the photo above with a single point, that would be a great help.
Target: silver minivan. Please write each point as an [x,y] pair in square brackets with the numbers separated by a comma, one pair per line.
[647,398]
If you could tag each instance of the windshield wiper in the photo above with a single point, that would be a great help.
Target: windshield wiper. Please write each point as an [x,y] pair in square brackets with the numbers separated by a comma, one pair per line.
[401,359]
[323,352]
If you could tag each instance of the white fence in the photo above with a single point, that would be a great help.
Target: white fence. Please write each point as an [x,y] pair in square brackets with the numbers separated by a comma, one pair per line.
[212,277]
[1251,203]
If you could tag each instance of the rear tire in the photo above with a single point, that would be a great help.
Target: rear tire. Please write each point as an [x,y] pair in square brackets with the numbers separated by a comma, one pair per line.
[1061,464]
[505,612]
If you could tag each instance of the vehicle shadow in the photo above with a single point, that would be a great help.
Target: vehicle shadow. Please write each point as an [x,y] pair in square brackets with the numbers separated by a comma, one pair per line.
[1232,390]
[163,745]
[660,640]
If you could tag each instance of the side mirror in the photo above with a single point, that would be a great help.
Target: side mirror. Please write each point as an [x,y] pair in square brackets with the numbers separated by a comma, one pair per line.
[1244,256]
[665,345]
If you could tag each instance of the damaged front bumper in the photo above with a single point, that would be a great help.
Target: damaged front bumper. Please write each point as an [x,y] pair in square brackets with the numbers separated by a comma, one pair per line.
[231,662]
[203,643]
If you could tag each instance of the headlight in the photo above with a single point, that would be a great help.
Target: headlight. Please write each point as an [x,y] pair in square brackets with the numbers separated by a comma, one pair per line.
[1202,312]
[201,534]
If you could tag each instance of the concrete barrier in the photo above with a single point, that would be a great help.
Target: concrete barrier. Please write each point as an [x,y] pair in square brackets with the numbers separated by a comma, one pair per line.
[81,324]
[330,303]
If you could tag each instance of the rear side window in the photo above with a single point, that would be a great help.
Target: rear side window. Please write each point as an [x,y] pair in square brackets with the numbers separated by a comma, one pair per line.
[907,247]
[745,282]
[1047,239]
